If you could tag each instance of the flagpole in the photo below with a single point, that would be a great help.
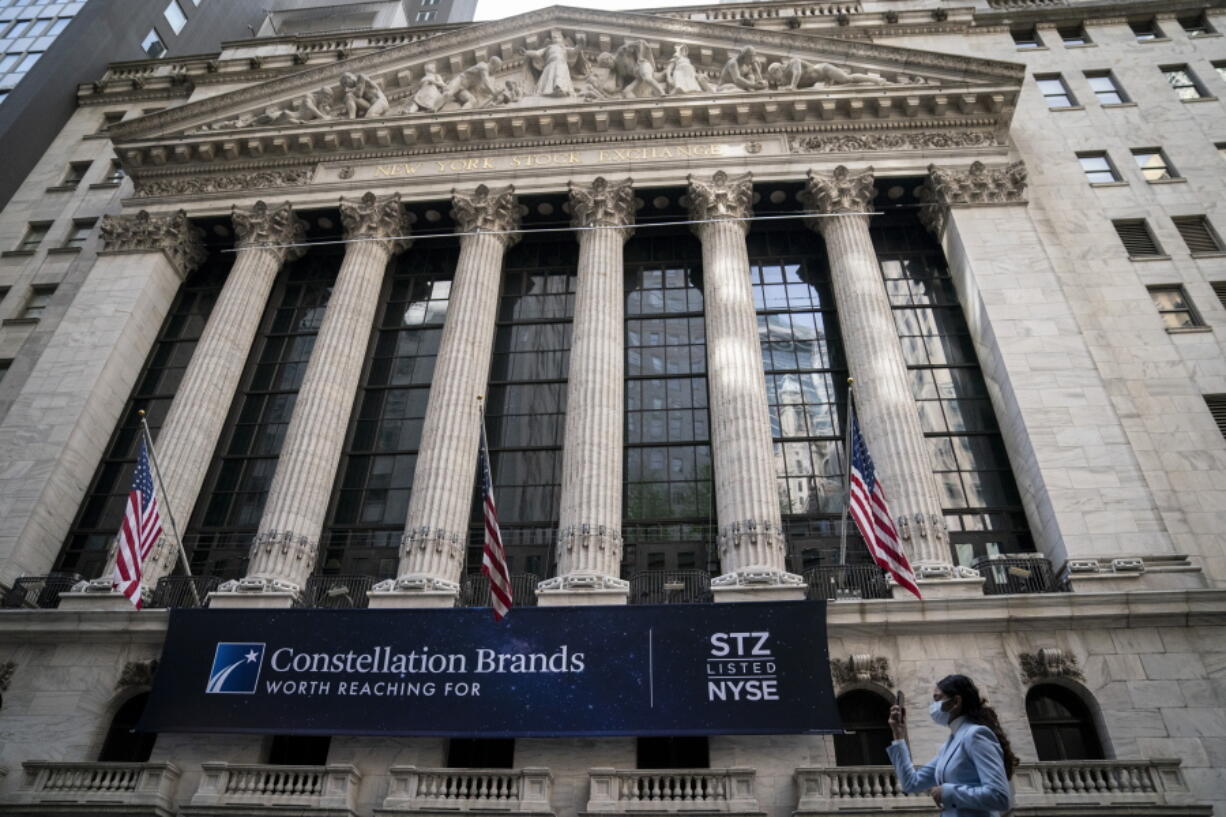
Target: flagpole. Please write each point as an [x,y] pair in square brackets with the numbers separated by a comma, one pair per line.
[846,472]
[174,529]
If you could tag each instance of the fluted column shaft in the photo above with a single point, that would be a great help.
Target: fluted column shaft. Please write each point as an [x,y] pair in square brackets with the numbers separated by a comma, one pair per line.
[589,535]
[284,552]
[885,406]
[432,550]
[751,543]
[197,415]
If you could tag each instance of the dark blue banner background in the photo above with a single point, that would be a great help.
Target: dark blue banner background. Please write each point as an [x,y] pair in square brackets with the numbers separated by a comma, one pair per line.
[630,670]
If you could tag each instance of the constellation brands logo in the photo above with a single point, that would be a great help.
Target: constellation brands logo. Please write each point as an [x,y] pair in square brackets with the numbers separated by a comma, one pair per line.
[236,668]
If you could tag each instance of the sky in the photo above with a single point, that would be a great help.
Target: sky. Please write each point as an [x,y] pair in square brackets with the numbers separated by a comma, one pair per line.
[498,9]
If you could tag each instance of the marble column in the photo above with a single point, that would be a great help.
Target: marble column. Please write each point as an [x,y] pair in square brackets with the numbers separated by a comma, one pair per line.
[889,418]
[752,548]
[287,542]
[187,439]
[589,529]
[436,528]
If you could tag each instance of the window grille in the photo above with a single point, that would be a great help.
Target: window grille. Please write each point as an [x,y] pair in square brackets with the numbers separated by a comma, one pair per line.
[1137,239]
[1197,234]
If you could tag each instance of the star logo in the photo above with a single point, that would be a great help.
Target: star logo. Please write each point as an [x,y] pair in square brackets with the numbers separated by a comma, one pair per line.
[236,668]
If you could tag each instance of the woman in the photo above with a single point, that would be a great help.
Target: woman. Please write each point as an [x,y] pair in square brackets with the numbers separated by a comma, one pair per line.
[970,777]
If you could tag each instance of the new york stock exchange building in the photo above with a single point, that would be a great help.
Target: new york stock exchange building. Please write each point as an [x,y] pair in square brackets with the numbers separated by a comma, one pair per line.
[646,252]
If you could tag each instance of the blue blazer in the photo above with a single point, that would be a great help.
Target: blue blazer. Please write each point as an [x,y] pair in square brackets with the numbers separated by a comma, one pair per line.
[970,770]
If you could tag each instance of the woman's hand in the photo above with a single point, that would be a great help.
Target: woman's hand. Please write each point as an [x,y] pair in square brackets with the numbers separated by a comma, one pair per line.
[898,722]
[935,794]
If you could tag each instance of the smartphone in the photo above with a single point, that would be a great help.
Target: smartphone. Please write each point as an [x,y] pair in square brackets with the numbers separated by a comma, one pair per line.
[901,702]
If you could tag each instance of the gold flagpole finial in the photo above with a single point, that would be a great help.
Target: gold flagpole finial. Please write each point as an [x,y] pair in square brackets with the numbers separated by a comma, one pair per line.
[140,413]
[851,381]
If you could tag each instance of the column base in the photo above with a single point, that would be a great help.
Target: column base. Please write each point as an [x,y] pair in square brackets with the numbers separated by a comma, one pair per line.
[582,590]
[393,599]
[949,588]
[93,601]
[761,584]
[265,600]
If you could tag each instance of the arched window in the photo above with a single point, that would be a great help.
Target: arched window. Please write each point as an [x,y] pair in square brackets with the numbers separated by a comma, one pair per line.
[864,714]
[1062,724]
[123,743]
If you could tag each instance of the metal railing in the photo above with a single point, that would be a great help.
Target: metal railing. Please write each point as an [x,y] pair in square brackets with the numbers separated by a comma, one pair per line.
[414,789]
[475,590]
[670,587]
[39,592]
[1014,573]
[840,582]
[337,592]
[175,592]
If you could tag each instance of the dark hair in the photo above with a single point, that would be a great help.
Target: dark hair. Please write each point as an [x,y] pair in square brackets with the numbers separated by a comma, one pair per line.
[976,710]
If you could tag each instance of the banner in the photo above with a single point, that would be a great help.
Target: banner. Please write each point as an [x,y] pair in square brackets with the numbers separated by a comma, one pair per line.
[700,669]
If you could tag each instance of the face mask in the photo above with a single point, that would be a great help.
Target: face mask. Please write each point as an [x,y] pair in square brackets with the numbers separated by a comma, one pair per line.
[939,716]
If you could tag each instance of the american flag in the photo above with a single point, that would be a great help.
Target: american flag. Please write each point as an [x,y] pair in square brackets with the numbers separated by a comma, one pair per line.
[494,557]
[142,525]
[868,507]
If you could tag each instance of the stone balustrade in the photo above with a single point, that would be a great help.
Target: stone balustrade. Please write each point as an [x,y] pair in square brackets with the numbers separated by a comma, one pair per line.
[617,791]
[141,788]
[328,789]
[1054,784]
[516,790]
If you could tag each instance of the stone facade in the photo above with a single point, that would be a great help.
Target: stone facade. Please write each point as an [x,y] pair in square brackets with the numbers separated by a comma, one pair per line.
[821,112]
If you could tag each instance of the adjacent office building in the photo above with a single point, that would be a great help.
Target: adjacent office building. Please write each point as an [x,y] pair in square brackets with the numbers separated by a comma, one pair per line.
[647,252]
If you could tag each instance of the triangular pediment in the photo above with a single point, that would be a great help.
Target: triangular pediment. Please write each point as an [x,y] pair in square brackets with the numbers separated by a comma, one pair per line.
[561,71]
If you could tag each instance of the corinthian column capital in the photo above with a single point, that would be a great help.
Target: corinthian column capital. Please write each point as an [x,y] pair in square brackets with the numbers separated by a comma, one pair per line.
[603,204]
[171,233]
[979,184]
[272,229]
[485,210]
[724,197]
[840,192]
[376,217]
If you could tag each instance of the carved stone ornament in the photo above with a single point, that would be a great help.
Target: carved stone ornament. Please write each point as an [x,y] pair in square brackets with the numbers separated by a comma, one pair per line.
[585,537]
[1049,662]
[907,140]
[724,197]
[171,233]
[603,204]
[270,229]
[450,543]
[231,182]
[137,674]
[487,211]
[7,669]
[977,185]
[376,217]
[840,192]
[861,668]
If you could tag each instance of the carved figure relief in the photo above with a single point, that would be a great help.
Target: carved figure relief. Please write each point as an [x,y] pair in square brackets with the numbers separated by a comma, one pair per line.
[552,66]
[362,97]
[861,668]
[465,88]
[795,74]
[743,72]
[1049,662]
[681,75]
[429,94]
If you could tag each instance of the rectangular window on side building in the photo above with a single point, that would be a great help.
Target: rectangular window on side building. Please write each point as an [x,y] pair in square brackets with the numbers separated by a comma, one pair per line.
[1219,289]
[79,233]
[1105,87]
[1073,35]
[1220,67]
[76,173]
[425,16]
[1026,38]
[1097,167]
[1174,306]
[1145,30]
[1154,164]
[1185,83]
[1198,234]
[5,363]
[110,118]
[1195,25]
[153,46]
[1054,90]
[40,296]
[34,236]
[115,174]
[1137,238]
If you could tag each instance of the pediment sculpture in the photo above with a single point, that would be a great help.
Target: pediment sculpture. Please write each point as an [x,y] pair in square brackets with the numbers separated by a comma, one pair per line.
[562,70]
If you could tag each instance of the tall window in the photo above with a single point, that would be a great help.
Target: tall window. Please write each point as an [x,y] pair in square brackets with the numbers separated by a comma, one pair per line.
[1185,83]
[1098,168]
[34,235]
[668,475]
[526,410]
[1062,724]
[982,506]
[1026,38]
[1055,92]
[1073,34]
[864,714]
[805,371]
[123,744]
[371,498]
[1154,165]
[1145,30]
[101,512]
[1195,25]
[228,511]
